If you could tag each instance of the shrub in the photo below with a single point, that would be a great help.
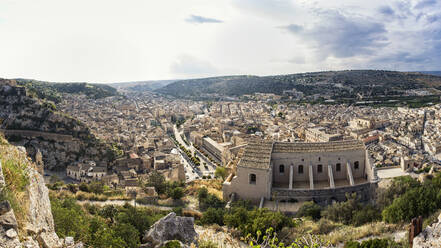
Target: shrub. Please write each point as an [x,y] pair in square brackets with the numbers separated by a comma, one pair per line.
[157,180]
[310,209]
[377,243]
[213,216]
[249,222]
[176,193]
[207,244]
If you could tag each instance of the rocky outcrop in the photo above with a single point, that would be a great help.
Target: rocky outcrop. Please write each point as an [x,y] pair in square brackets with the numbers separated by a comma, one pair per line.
[171,227]
[35,124]
[429,237]
[36,228]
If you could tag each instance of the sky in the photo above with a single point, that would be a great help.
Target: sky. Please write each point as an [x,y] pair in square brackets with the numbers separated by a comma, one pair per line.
[104,41]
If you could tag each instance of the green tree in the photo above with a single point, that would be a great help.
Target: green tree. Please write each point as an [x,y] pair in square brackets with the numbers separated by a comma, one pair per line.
[176,193]
[220,172]
[157,180]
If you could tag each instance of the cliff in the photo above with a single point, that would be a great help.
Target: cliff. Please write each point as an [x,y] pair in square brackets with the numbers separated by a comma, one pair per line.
[429,237]
[25,210]
[36,124]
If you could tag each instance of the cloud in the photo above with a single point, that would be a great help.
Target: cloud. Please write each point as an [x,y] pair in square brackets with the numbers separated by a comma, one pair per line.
[386,10]
[425,3]
[341,36]
[200,19]
[187,65]
[268,8]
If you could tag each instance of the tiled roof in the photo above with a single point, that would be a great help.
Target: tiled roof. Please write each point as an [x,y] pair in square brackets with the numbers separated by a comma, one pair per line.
[258,154]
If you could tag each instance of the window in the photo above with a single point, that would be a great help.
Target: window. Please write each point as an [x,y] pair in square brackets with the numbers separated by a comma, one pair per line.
[300,169]
[356,165]
[319,168]
[252,178]
[303,159]
[338,167]
[319,158]
[282,169]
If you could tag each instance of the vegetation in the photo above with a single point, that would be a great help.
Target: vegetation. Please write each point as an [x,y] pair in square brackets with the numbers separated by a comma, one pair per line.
[174,190]
[351,212]
[310,209]
[221,172]
[377,243]
[106,227]
[419,199]
[364,82]
[52,91]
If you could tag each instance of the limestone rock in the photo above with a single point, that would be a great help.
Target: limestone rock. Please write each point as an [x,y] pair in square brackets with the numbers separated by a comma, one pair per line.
[429,237]
[68,241]
[171,227]
[11,233]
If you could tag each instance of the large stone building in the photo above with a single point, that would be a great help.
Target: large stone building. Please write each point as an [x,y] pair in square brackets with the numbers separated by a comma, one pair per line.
[319,134]
[322,172]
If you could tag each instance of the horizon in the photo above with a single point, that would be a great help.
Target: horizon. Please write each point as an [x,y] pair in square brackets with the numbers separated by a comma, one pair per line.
[116,41]
[194,78]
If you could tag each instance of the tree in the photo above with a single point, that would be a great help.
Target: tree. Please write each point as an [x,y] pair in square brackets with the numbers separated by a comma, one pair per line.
[176,193]
[109,212]
[220,172]
[157,180]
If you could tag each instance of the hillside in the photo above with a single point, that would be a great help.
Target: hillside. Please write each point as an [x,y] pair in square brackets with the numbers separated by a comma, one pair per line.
[140,86]
[335,84]
[37,125]
[53,91]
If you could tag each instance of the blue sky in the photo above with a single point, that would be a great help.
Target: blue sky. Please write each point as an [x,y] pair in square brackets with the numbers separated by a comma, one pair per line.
[111,41]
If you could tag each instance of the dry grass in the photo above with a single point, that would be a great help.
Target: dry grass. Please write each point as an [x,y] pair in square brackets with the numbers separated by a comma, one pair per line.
[337,232]
[214,186]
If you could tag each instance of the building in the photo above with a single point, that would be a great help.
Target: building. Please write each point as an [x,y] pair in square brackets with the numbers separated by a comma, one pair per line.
[217,151]
[319,134]
[322,172]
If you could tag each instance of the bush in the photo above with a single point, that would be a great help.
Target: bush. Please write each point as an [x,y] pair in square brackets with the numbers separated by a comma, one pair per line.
[374,243]
[310,209]
[176,193]
[213,216]
[422,200]
[249,222]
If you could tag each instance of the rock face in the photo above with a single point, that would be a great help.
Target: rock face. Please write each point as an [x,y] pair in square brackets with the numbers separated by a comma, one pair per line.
[429,237]
[38,228]
[171,227]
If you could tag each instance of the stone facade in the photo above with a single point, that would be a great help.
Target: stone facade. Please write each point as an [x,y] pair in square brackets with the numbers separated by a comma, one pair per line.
[323,172]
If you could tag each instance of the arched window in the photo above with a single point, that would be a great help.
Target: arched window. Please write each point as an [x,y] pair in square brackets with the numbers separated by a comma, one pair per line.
[300,169]
[252,178]
[319,168]
[281,169]
[338,167]
[319,158]
[356,165]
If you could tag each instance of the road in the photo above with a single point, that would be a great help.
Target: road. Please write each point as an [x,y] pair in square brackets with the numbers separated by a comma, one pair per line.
[206,168]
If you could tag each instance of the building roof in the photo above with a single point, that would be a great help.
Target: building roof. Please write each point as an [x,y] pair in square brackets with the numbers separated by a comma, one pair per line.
[333,146]
[258,154]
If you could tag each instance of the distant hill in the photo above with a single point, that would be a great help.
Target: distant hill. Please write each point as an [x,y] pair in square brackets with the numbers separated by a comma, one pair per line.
[142,85]
[329,83]
[436,73]
[51,91]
